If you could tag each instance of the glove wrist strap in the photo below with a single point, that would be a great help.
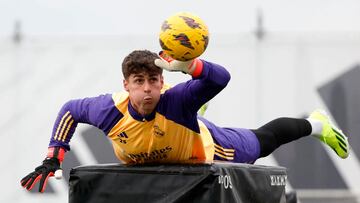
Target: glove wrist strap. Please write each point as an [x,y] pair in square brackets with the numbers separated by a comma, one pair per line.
[197,67]
[56,152]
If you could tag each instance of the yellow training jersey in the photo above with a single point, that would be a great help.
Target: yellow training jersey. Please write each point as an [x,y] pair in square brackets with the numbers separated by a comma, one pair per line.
[159,139]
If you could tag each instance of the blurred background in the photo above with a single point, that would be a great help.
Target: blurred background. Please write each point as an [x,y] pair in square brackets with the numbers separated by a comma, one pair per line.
[286,58]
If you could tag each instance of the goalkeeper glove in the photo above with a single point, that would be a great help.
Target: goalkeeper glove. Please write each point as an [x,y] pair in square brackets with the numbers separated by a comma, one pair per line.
[192,67]
[49,167]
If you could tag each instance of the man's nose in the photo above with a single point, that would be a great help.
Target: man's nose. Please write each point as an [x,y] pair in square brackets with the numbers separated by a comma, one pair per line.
[147,86]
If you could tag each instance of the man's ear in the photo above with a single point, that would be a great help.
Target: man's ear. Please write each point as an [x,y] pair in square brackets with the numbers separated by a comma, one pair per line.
[162,81]
[126,84]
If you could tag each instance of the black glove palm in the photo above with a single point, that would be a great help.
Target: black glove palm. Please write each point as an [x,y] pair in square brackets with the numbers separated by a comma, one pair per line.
[41,173]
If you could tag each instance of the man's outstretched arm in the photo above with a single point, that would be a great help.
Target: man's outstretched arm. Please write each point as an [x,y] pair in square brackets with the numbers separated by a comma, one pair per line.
[208,79]
[97,111]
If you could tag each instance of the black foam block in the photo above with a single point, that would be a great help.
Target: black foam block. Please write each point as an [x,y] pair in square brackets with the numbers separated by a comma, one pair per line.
[216,182]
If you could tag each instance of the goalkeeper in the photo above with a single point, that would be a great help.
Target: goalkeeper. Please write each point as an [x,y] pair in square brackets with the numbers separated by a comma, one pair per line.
[151,123]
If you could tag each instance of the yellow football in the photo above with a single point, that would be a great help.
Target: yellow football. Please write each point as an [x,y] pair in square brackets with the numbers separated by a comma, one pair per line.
[184,36]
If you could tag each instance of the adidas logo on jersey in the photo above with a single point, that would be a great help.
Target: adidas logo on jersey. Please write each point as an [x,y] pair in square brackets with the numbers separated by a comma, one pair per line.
[122,137]
[158,132]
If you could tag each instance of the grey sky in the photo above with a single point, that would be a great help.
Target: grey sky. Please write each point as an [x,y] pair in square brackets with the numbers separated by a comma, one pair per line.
[117,17]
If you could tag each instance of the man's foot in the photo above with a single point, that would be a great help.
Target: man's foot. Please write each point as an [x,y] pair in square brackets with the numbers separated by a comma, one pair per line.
[331,135]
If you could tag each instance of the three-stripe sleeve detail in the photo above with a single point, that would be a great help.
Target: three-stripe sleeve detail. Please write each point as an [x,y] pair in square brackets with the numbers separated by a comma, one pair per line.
[67,130]
[64,127]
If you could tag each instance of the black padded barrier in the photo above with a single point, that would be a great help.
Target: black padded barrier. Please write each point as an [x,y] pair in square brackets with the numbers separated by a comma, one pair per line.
[215,182]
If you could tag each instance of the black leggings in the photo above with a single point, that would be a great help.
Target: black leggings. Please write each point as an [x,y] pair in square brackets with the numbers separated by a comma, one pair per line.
[280,131]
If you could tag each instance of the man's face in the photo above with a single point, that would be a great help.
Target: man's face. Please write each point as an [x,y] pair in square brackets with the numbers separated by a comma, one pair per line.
[144,91]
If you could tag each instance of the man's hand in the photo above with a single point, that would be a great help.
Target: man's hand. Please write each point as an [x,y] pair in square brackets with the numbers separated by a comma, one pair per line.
[49,167]
[193,67]
[41,173]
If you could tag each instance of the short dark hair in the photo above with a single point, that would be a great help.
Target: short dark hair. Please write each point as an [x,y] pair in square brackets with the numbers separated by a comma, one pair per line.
[140,61]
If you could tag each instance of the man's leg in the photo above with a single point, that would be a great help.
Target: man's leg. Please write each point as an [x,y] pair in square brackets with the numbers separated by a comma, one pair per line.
[281,131]
[284,130]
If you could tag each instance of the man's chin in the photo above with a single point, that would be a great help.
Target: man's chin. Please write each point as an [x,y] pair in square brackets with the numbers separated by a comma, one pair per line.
[148,108]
